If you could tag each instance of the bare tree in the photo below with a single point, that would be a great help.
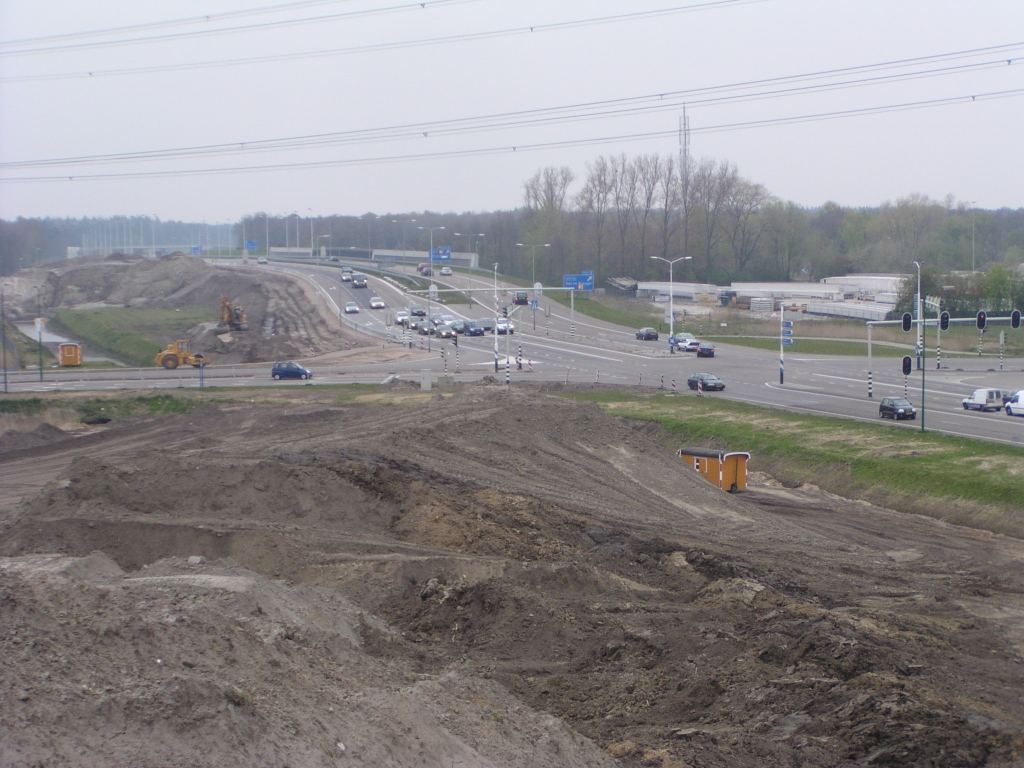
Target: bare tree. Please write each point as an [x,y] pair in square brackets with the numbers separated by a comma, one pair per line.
[711,186]
[669,201]
[624,194]
[648,172]
[909,221]
[594,199]
[744,221]
[547,189]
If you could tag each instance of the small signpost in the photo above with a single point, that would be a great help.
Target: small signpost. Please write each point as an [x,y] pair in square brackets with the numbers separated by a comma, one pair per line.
[785,340]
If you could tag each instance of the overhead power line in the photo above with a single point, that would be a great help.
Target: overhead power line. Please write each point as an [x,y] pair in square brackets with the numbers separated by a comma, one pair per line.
[790,85]
[260,27]
[447,39]
[532,147]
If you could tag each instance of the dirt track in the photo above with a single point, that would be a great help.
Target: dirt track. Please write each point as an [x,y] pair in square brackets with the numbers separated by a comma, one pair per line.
[428,581]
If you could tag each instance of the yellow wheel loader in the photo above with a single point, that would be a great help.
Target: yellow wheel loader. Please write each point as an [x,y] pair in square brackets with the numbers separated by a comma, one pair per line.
[179,353]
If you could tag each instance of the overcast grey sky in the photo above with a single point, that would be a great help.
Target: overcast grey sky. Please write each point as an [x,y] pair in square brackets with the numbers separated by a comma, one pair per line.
[167,96]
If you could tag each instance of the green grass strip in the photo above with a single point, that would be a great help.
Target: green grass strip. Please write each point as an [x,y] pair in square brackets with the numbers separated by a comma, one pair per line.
[963,481]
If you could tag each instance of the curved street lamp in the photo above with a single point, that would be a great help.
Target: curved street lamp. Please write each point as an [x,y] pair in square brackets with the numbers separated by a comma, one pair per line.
[671,291]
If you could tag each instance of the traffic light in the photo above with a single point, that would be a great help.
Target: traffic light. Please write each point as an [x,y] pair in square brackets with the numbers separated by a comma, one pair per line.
[982,318]
[504,311]
[944,321]
[907,365]
[1015,319]
[456,337]
[908,321]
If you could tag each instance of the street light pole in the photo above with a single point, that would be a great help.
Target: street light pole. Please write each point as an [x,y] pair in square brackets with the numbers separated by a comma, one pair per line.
[430,260]
[533,250]
[39,326]
[495,317]
[671,292]
[3,333]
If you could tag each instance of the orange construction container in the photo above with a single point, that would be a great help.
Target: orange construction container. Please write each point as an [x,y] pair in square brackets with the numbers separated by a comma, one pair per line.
[726,470]
[70,353]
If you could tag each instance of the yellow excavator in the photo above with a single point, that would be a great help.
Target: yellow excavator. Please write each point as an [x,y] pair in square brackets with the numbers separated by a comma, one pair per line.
[232,317]
[179,353]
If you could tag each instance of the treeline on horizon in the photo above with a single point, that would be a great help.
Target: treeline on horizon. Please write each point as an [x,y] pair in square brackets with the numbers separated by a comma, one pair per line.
[613,219]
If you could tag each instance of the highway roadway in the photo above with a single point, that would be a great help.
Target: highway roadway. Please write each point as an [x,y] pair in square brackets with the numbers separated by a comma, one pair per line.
[592,351]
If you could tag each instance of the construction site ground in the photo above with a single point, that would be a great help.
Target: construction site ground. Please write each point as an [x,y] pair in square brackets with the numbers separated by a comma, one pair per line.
[286,317]
[486,578]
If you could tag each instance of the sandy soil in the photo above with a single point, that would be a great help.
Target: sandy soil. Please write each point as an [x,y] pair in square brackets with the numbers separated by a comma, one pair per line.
[490,578]
[286,319]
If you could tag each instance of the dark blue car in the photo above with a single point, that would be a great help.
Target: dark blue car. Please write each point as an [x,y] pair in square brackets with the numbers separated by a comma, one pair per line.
[290,370]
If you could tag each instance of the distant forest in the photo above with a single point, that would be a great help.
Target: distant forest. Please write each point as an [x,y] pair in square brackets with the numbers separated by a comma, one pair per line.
[622,212]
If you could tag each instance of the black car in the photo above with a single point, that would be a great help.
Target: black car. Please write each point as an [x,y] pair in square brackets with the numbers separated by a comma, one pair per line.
[896,408]
[706,349]
[472,328]
[418,310]
[459,326]
[426,328]
[288,370]
[708,381]
[413,323]
[445,332]
[647,334]
[521,297]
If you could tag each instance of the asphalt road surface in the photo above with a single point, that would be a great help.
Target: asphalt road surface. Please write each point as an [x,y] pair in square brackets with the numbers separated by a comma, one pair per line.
[552,345]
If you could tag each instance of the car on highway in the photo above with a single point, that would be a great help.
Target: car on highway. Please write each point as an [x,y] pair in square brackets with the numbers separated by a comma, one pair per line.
[425,328]
[681,340]
[437,319]
[401,317]
[458,325]
[1015,405]
[1008,395]
[521,297]
[261,260]
[647,334]
[358,281]
[705,349]
[506,326]
[708,382]
[413,323]
[473,328]
[445,332]
[376,302]
[289,370]
[334,258]
[984,400]
[346,277]
[347,269]
[896,408]
[446,271]
[351,308]
[418,310]
[421,267]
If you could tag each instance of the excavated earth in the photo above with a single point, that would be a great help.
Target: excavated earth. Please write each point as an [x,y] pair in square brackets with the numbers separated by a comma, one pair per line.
[493,578]
[286,318]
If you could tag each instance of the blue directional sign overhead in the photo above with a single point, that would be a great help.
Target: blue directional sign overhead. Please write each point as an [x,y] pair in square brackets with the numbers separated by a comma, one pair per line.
[444,253]
[250,245]
[580,282]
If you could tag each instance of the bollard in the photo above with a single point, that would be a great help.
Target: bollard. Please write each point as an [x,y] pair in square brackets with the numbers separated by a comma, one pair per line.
[641,382]
[869,384]
[662,385]
[598,379]
[938,357]
[529,365]
[673,386]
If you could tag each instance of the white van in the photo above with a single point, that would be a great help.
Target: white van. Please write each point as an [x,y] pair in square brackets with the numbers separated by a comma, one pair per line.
[984,400]
[1015,405]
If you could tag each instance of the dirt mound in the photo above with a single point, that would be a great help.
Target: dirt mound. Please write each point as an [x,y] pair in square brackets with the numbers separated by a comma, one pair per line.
[44,434]
[285,320]
[210,664]
[466,574]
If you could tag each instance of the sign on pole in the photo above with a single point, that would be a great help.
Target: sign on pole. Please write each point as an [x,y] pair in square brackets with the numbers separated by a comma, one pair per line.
[250,245]
[442,253]
[787,331]
[433,292]
[580,282]
[538,289]
[196,249]
[787,342]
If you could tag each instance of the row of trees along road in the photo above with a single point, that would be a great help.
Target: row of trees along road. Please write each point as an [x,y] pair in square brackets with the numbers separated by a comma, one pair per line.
[622,211]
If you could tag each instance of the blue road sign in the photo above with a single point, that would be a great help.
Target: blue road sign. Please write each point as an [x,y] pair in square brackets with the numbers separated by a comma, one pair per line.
[787,331]
[196,249]
[533,304]
[587,272]
[787,323]
[250,245]
[580,282]
[787,342]
[443,253]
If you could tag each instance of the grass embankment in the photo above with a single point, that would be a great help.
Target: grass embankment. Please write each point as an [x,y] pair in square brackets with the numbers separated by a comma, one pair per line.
[132,334]
[962,481]
[69,412]
[25,351]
